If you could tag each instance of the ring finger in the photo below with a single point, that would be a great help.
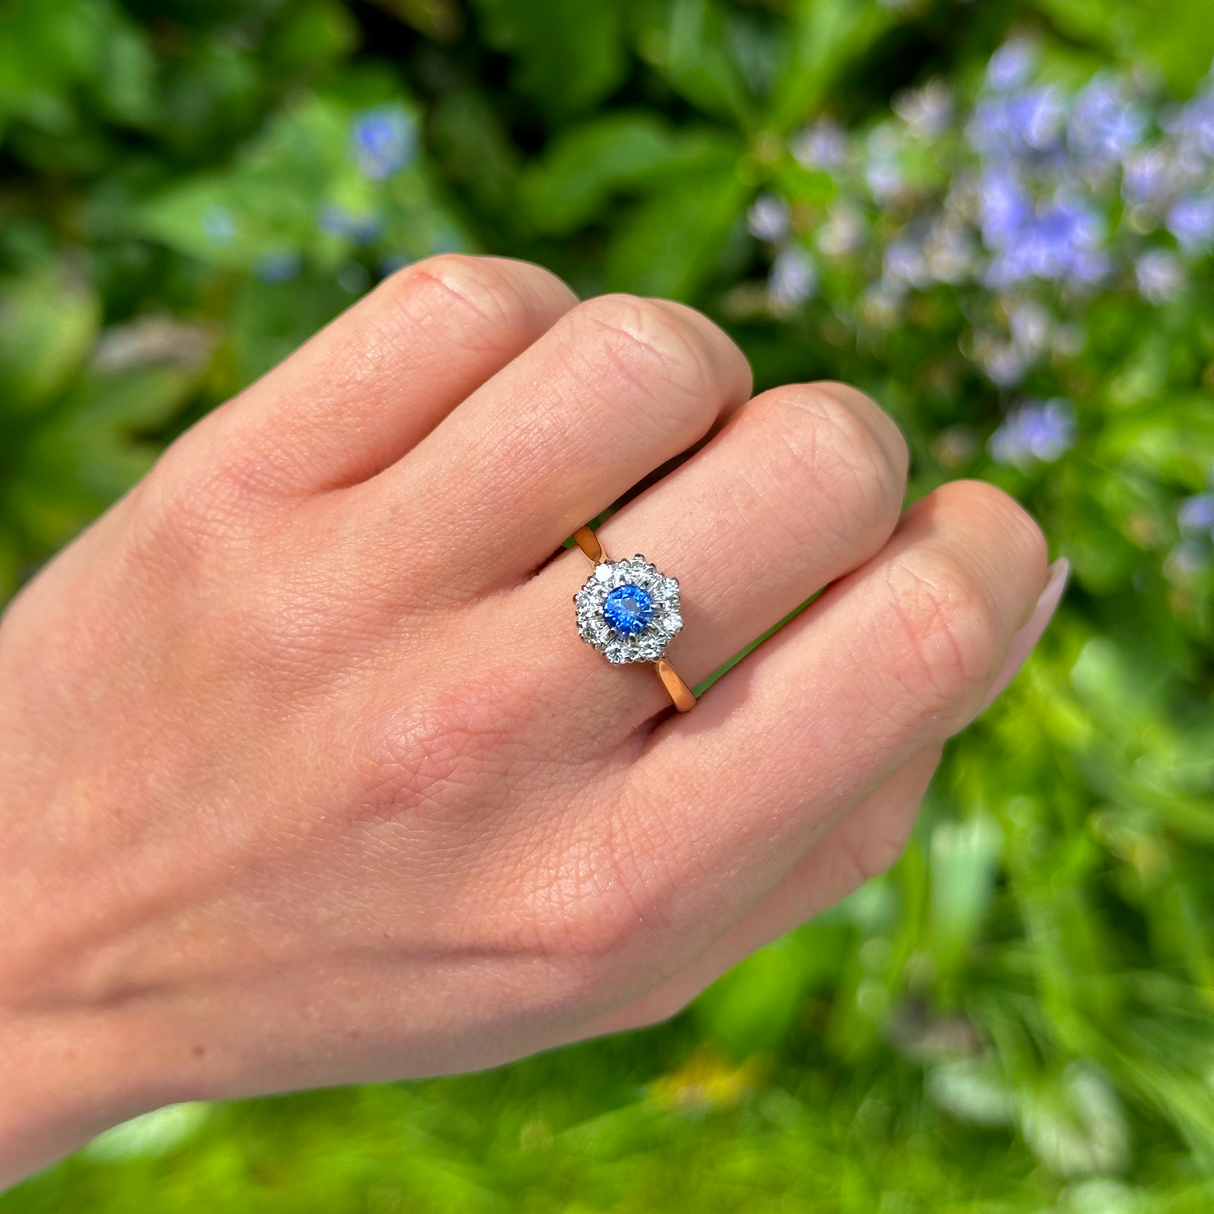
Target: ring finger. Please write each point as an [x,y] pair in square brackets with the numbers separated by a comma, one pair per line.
[802,486]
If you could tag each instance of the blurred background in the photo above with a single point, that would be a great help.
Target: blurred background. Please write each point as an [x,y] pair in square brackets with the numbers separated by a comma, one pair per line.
[996,217]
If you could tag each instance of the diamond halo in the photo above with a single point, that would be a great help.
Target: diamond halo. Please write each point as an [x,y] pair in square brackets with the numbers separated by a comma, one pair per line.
[658,600]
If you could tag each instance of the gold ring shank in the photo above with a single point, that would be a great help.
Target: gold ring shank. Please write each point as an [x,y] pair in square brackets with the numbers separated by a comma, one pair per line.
[680,694]
[588,542]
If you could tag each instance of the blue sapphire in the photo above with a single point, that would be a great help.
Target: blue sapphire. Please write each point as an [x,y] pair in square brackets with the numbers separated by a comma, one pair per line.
[628,610]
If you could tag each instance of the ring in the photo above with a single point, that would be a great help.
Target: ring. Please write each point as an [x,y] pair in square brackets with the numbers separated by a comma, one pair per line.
[630,612]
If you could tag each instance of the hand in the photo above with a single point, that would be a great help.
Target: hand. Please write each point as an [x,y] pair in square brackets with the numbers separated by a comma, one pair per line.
[307,778]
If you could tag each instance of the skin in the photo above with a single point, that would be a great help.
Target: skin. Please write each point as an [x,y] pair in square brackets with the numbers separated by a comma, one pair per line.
[308,779]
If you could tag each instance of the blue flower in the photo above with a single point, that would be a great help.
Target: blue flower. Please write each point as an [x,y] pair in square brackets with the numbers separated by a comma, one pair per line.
[1147,176]
[905,261]
[821,146]
[928,110]
[1188,560]
[1013,124]
[1104,127]
[337,221]
[1005,209]
[842,233]
[278,265]
[1196,515]
[1029,324]
[384,140]
[1060,240]
[792,280]
[921,255]
[1031,328]
[1071,235]
[768,219]
[219,224]
[1195,122]
[1035,433]
[1191,221]
[884,151]
[1160,276]
[1010,65]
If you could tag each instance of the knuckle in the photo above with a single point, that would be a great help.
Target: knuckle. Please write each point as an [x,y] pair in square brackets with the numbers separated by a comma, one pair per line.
[441,758]
[652,348]
[837,449]
[860,437]
[947,645]
[495,294]
[185,505]
[881,426]
[598,899]
[466,282]
[1000,517]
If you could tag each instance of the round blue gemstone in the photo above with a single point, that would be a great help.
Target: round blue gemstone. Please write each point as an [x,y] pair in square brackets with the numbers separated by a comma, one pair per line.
[628,609]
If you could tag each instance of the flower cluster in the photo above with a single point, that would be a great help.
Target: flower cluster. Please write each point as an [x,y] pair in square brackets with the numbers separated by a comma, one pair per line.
[793,279]
[1026,202]
[1029,199]
[1035,434]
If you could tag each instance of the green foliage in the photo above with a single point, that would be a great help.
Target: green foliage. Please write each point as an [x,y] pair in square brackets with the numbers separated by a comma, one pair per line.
[1017,1017]
[1174,35]
[566,56]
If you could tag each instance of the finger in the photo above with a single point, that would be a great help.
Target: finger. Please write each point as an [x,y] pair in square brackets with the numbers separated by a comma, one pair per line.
[1025,641]
[891,660]
[865,843]
[370,385]
[803,485]
[616,388]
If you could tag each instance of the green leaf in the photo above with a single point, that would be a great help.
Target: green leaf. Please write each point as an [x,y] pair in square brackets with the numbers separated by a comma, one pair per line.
[271,319]
[587,165]
[126,75]
[568,55]
[10,564]
[1178,35]
[54,53]
[312,33]
[92,448]
[826,38]
[46,47]
[475,151]
[1172,438]
[673,240]
[752,1008]
[441,20]
[270,200]
[48,320]
[690,45]
[963,858]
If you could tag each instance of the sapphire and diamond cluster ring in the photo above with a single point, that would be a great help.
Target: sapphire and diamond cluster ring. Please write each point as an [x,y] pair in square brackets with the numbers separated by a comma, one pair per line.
[630,611]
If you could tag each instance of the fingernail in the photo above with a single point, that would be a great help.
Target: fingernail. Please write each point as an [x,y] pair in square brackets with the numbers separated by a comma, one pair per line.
[1025,641]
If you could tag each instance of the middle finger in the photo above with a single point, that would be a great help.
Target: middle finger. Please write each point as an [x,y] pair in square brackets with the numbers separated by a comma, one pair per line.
[616,388]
